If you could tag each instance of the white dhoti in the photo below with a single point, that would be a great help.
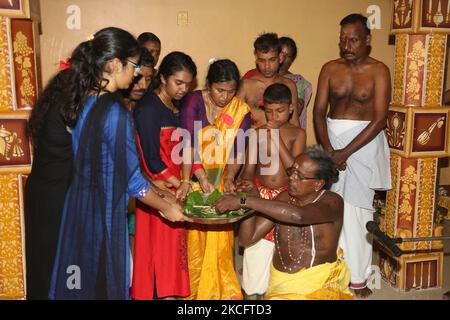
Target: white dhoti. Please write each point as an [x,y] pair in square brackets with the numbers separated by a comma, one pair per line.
[356,243]
[367,170]
[257,265]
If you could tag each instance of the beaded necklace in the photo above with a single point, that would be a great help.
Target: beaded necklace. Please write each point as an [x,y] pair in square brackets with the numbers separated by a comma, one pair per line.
[303,237]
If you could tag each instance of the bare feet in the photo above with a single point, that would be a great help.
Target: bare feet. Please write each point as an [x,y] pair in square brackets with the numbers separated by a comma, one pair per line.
[446,296]
[362,293]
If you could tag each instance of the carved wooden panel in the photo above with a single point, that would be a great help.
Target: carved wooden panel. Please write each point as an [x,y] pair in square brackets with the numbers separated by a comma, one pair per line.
[24,63]
[403,15]
[396,129]
[15,148]
[15,8]
[430,130]
[6,81]
[435,15]
[12,247]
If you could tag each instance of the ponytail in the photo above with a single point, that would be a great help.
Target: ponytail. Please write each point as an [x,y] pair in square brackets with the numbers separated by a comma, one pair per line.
[84,77]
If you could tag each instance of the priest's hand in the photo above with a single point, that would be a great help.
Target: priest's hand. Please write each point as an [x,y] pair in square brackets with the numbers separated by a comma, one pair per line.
[228,202]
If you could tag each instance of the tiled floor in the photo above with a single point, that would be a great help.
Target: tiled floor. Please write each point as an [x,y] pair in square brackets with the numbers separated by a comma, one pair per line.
[388,293]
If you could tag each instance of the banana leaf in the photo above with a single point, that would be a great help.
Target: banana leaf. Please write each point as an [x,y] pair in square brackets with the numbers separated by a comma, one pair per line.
[213,197]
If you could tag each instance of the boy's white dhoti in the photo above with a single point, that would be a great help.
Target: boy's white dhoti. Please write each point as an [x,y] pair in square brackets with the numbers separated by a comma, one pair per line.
[256,267]
[367,170]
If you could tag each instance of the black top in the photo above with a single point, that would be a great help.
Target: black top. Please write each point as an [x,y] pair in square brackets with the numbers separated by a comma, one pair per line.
[45,193]
[151,116]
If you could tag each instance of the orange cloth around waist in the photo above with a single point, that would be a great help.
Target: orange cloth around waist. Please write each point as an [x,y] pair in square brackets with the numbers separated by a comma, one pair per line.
[268,193]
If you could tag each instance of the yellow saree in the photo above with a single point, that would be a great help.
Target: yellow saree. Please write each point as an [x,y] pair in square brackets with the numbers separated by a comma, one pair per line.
[327,281]
[210,248]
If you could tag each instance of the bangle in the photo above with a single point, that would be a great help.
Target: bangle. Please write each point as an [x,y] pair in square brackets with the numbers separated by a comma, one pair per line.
[185,181]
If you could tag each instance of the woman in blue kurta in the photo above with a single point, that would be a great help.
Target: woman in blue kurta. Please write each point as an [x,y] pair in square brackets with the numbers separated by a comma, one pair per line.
[92,257]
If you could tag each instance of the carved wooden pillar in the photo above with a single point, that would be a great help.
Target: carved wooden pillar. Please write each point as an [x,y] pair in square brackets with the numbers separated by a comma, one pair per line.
[18,92]
[418,127]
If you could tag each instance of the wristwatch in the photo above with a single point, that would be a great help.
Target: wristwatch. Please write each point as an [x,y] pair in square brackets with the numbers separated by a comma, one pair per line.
[243,200]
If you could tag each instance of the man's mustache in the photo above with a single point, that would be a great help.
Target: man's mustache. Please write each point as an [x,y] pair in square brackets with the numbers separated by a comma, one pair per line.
[346,52]
[140,90]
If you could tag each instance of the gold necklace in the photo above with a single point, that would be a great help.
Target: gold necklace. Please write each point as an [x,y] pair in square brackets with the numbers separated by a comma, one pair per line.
[210,106]
[168,104]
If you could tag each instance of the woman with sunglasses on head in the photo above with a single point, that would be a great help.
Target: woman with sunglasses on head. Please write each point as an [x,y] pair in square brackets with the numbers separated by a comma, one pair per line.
[93,240]
[160,254]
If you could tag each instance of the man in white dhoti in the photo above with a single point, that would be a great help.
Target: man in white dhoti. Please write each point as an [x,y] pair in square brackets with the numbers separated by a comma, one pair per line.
[357,88]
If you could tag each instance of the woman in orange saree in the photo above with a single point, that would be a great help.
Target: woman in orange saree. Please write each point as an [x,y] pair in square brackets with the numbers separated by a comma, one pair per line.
[221,115]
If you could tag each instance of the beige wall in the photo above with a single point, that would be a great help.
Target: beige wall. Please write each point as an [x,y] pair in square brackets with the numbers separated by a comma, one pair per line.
[216,28]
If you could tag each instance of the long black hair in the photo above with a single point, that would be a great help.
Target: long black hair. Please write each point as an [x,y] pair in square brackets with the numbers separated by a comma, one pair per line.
[70,88]
[172,63]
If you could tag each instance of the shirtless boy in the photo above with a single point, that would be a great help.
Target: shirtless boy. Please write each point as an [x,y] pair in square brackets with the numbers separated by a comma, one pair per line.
[278,109]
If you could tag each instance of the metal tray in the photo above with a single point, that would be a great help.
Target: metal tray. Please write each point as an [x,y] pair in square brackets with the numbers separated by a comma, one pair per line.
[219,220]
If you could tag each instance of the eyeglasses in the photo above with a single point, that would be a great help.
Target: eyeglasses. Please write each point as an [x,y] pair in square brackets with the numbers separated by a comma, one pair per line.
[291,171]
[136,67]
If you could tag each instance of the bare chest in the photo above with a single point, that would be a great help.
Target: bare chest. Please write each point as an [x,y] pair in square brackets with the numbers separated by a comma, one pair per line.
[277,136]
[355,87]
[255,95]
